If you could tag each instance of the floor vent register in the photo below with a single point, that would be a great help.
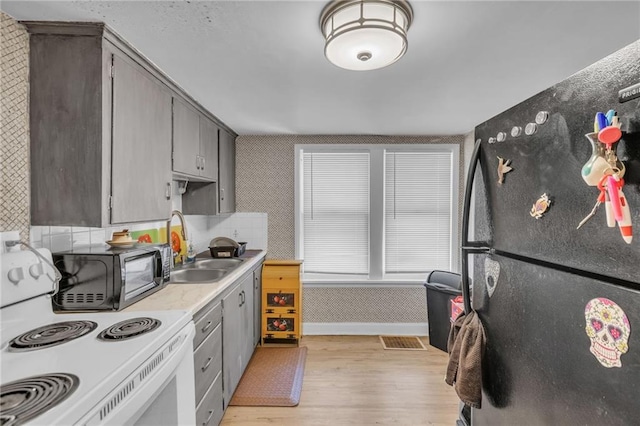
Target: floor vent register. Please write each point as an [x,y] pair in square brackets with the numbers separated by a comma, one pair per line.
[406,343]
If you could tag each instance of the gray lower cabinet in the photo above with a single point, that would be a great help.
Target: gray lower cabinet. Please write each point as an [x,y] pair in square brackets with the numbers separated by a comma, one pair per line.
[207,363]
[210,409]
[237,334]
[99,120]
[257,304]
[223,345]
[227,172]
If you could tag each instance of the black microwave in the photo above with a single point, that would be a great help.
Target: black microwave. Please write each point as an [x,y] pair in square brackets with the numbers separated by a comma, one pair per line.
[99,278]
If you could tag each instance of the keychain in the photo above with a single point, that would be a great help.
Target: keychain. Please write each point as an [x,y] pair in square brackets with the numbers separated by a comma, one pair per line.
[605,171]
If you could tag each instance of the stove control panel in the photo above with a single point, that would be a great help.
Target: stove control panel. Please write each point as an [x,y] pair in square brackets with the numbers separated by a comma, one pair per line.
[24,276]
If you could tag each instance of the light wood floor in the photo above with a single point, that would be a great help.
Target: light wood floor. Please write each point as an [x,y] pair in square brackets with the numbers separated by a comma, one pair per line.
[352,380]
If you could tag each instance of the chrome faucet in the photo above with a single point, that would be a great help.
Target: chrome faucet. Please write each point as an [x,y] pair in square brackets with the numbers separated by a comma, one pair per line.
[184,232]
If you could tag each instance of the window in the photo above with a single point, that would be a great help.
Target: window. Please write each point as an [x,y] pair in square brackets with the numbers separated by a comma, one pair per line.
[376,212]
[336,212]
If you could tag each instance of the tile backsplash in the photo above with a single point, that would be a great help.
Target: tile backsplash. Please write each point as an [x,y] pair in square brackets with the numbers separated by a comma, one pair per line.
[249,227]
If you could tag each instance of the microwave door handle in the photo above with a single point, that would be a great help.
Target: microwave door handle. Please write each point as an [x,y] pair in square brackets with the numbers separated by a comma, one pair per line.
[159,267]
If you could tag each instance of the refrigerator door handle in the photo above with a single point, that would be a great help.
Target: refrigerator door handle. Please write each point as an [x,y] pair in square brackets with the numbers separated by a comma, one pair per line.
[469,247]
[478,249]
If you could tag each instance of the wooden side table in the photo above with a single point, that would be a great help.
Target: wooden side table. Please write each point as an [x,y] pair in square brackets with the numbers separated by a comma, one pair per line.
[281,302]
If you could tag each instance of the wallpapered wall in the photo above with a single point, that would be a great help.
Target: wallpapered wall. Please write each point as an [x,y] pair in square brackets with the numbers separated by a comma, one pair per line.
[265,183]
[14,127]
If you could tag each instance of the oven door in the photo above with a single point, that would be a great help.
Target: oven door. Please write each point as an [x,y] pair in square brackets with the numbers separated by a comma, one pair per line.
[160,392]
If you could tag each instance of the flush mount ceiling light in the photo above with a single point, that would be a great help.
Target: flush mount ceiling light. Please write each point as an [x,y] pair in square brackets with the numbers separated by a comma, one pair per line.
[365,34]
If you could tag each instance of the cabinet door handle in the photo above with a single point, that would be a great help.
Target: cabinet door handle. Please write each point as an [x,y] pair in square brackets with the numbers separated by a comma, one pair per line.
[242,294]
[206,422]
[204,367]
[206,327]
[167,191]
[203,162]
[240,297]
[221,194]
[198,162]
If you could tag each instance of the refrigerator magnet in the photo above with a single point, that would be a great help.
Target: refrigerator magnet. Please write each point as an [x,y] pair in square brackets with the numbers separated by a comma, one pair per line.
[491,275]
[608,329]
[541,206]
[503,168]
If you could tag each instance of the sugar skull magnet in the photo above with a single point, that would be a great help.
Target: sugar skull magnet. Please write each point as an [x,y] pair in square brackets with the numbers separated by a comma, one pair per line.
[609,329]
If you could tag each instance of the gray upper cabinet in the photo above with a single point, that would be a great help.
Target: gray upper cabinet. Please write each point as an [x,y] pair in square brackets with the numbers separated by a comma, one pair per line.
[141,145]
[186,138]
[208,149]
[103,117]
[195,143]
[99,121]
[227,174]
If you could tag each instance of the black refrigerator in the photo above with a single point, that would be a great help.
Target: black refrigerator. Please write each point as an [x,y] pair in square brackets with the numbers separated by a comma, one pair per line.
[560,305]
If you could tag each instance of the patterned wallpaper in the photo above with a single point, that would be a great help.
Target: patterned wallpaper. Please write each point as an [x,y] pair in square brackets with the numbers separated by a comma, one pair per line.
[265,183]
[14,127]
[365,304]
[265,177]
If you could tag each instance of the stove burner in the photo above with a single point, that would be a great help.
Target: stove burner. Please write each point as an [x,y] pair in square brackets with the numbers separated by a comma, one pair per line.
[51,335]
[129,328]
[22,400]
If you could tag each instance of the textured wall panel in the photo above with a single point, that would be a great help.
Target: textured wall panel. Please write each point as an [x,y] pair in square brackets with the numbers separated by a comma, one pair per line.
[265,183]
[265,177]
[365,304]
[14,126]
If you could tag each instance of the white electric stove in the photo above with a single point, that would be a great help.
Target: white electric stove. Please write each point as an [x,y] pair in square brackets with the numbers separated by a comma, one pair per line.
[88,368]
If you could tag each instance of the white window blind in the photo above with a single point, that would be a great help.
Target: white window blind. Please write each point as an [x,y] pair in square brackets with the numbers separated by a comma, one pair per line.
[336,212]
[376,213]
[417,211]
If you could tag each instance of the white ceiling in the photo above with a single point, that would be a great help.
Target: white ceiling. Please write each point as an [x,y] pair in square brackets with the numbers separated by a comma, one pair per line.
[259,65]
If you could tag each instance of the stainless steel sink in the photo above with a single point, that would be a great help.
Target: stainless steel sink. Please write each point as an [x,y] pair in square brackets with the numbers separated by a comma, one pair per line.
[203,270]
[217,263]
[182,276]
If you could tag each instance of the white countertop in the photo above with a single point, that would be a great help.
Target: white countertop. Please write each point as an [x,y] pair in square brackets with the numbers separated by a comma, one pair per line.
[195,296]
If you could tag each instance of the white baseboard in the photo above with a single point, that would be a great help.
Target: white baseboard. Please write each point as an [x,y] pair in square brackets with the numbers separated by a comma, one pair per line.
[365,328]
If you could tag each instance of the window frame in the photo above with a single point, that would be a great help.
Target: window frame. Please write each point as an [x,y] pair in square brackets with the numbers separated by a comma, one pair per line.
[376,209]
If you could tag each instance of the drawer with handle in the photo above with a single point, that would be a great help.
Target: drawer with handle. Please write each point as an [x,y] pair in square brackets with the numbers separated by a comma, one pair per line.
[207,361]
[210,410]
[207,323]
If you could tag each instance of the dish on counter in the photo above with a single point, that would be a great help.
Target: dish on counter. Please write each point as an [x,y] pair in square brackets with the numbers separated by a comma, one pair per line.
[121,244]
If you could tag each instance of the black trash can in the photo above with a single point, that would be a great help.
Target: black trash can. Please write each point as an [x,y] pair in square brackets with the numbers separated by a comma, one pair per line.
[442,287]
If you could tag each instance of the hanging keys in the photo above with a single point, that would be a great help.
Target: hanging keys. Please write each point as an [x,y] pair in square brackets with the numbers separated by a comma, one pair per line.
[593,211]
